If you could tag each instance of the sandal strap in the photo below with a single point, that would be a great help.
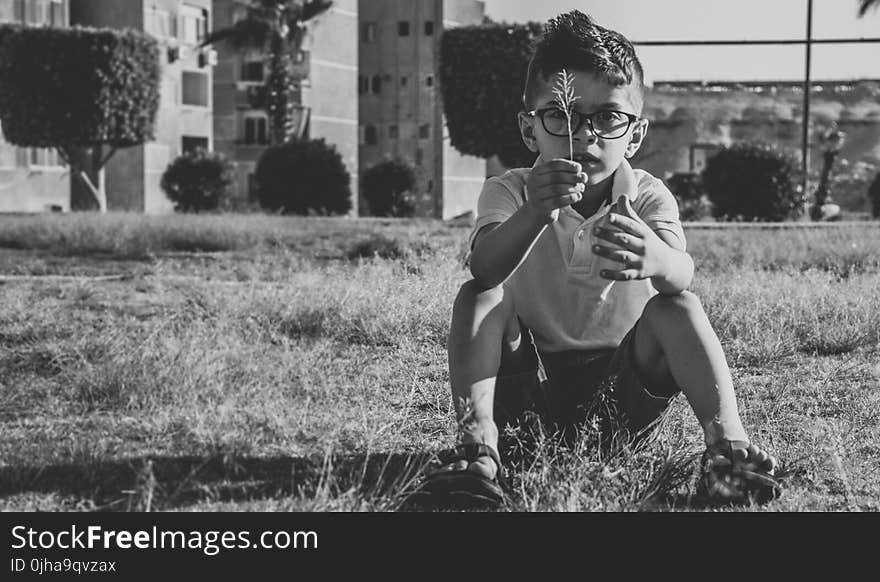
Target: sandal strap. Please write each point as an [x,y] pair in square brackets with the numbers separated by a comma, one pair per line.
[469,452]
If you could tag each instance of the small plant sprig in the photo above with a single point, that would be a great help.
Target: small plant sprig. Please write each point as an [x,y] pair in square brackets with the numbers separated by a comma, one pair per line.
[565,98]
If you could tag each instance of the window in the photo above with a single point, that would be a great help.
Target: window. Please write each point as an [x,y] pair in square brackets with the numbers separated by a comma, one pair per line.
[403,28]
[370,135]
[256,130]
[44,158]
[420,156]
[56,13]
[403,80]
[363,84]
[191,143]
[252,71]
[429,80]
[195,89]
[429,27]
[377,84]
[160,24]
[393,132]
[424,131]
[430,186]
[193,24]
[368,32]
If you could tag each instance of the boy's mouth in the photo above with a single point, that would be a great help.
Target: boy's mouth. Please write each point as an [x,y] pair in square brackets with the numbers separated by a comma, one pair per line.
[586,159]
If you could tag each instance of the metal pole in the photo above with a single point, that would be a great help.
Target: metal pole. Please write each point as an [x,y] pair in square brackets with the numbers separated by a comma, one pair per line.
[805,154]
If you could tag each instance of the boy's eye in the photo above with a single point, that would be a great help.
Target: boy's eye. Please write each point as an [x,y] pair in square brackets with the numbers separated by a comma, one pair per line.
[608,117]
[556,114]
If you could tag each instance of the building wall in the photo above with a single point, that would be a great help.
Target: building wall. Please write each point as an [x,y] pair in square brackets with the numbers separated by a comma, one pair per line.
[405,113]
[328,91]
[33,180]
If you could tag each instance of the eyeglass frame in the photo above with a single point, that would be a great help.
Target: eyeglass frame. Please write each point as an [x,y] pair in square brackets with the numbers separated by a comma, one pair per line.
[585,118]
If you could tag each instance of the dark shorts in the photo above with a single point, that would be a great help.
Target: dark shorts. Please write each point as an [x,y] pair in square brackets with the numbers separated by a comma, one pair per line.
[567,389]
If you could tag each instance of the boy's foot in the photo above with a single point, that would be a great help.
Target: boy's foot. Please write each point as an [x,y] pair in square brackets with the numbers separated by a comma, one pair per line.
[738,472]
[467,476]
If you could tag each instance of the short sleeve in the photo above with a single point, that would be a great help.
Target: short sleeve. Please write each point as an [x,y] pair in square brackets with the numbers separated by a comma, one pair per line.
[657,207]
[497,203]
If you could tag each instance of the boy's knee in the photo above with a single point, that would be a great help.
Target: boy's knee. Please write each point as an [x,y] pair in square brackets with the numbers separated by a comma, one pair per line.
[681,304]
[473,293]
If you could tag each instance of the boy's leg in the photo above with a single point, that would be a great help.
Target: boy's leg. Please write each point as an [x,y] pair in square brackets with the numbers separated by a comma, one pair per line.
[675,338]
[483,325]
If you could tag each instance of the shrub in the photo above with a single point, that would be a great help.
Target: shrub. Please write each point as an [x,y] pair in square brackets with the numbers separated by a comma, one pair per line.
[752,182]
[482,74]
[303,177]
[387,187]
[693,204]
[198,181]
[874,196]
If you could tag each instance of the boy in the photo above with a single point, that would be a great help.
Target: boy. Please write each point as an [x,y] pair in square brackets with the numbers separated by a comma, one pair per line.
[547,242]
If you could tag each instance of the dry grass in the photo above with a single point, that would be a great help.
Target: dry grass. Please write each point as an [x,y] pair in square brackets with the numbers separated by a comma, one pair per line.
[295,368]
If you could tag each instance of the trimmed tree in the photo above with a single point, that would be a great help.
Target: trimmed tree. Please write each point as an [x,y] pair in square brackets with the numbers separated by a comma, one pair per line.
[482,76]
[303,177]
[83,91]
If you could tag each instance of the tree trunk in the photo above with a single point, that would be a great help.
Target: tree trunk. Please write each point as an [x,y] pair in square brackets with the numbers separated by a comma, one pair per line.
[86,184]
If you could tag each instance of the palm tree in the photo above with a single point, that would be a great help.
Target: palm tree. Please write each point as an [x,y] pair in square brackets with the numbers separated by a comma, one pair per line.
[864,5]
[277,28]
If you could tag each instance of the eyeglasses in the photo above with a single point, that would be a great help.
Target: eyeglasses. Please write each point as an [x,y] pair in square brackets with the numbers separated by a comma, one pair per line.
[607,124]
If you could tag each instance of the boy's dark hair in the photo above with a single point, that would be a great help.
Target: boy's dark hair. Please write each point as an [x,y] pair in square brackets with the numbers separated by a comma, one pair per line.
[574,41]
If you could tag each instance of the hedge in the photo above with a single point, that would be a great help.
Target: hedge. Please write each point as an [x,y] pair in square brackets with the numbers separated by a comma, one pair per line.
[482,76]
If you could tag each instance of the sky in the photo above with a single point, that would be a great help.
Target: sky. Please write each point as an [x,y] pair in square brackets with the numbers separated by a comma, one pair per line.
[644,20]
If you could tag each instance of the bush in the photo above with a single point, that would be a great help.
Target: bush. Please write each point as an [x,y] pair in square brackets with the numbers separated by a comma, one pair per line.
[199,181]
[693,204]
[874,196]
[303,177]
[77,87]
[752,182]
[482,75]
[387,187]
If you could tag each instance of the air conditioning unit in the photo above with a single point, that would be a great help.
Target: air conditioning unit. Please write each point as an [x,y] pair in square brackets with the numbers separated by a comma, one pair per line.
[208,58]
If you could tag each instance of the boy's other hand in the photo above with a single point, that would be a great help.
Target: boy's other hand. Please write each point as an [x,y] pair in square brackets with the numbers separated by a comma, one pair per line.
[553,185]
[638,249]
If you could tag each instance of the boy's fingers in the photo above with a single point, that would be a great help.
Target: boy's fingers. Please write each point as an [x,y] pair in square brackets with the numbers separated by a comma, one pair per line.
[560,165]
[624,275]
[628,224]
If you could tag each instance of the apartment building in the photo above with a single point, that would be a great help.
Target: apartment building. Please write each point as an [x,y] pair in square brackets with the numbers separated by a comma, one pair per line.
[185,118]
[400,110]
[33,179]
[325,72]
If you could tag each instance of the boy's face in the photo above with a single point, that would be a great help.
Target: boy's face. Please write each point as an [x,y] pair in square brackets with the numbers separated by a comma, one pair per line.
[599,156]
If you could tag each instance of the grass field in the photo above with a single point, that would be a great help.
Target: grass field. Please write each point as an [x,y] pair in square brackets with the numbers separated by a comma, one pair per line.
[268,363]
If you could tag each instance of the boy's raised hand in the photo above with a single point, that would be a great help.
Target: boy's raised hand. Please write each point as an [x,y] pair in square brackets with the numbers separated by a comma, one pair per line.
[553,185]
[638,249]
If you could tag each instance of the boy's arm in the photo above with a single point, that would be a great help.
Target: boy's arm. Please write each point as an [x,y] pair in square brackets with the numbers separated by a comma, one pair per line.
[500,247]
[499,250]
[679,271]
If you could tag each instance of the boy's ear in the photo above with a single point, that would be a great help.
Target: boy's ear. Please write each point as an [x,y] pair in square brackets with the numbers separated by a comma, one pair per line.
[527,130]
[638,136]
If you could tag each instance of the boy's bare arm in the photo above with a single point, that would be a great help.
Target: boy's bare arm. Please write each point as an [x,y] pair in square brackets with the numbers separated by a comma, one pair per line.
[499,249]
[679,266]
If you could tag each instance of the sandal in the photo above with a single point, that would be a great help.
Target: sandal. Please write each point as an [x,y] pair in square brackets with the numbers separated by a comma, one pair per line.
[727,479]
[461,489]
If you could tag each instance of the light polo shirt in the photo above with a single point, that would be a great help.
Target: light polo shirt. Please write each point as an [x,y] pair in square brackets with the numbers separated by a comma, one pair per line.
[557,289]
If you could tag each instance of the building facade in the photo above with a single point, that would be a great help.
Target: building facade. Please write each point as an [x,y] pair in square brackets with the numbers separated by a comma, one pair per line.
[400,110]
[325,72]
[33,179]
[185,117]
